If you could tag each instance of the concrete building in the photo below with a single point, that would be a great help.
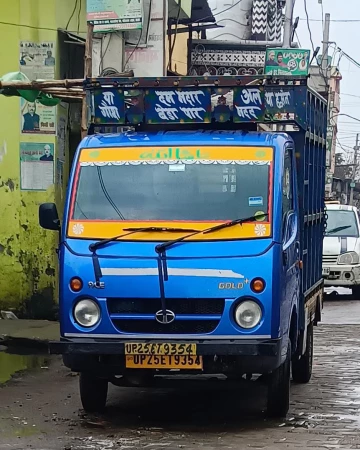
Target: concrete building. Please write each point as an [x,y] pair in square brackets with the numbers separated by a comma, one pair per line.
[36,144]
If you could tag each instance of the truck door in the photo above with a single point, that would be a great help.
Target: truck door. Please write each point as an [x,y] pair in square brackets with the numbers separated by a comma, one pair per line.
[291,247]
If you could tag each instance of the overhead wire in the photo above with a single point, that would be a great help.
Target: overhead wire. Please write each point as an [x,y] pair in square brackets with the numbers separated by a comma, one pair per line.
[103,53]
[141,33]
[298,39]
[78,18]
[72,14]
[203,19]
[333,20]
[308,26]
[313,45]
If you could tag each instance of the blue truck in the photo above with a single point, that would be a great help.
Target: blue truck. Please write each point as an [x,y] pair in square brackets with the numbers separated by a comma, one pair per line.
[191,240]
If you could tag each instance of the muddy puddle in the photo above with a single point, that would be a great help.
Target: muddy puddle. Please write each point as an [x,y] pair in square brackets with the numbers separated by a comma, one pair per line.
[12,363]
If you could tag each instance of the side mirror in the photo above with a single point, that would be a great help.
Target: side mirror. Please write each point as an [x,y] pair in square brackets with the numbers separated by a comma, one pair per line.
[49,217]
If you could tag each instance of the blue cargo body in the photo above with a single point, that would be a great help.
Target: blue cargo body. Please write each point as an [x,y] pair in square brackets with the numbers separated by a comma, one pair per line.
[189,250]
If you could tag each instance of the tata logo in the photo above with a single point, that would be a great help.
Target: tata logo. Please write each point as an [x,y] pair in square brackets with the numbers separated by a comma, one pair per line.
[165,317]
[231,285]
[96,284]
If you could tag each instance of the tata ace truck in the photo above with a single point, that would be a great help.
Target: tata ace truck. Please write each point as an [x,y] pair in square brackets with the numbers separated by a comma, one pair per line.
[191,239]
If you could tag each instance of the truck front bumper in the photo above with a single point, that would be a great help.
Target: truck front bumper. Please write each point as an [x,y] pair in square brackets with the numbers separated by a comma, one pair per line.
[107,356]
[341,275]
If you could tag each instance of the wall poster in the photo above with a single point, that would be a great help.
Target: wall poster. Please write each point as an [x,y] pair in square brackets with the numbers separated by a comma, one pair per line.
[36,166]
[37,60]
[37,118]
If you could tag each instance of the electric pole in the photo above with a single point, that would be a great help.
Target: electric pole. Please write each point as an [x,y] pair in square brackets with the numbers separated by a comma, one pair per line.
[325,51]
[288,25]
[352,185]
[326,74]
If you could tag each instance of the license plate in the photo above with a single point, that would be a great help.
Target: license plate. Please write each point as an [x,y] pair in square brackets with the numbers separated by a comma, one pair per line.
[164,362]
[326,270]
[167,349]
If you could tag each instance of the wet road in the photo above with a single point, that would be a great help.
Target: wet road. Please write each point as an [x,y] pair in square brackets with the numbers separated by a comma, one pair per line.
[40,408]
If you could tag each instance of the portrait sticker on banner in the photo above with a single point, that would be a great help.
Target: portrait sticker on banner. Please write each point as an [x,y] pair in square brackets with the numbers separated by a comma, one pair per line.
[37,118]
[36,166]
[37,60]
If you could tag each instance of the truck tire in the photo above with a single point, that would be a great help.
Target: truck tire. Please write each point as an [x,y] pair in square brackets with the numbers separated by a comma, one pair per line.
[278,400]
[93,392]
[302,368]
[356,292]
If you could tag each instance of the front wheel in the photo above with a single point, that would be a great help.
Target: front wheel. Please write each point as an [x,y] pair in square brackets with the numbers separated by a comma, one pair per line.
[356,292]
[93,392]
[278,401]
[302,368]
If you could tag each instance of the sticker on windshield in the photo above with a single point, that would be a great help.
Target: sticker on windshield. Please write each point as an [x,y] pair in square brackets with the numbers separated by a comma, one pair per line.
[256,201]
[177,168]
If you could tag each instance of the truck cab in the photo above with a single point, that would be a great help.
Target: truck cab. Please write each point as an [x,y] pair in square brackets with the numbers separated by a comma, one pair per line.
[341,249]
[193,247]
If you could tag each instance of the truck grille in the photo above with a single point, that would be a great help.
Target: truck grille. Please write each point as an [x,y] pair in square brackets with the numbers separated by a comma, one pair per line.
[329,259]
[177,305]
[192,316]
[176,327]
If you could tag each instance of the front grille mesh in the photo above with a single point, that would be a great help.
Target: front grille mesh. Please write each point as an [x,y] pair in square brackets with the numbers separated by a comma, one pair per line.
[176,327]
[200,306]
[195,309]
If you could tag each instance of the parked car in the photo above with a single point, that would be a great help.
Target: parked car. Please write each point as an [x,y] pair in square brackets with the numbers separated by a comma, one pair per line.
[341,249]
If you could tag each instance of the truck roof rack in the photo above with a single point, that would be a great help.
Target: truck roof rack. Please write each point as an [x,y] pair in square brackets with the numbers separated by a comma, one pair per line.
[233,102]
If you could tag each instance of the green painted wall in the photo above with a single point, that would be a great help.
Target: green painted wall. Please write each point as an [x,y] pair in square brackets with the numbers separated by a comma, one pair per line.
[27,253]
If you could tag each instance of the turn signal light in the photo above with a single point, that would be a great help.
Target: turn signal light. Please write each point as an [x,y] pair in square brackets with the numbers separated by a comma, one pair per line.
[76,284]
[257,285]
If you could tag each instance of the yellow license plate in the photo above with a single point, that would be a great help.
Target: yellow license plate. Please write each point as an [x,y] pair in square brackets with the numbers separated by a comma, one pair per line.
[168,349]
[164,362]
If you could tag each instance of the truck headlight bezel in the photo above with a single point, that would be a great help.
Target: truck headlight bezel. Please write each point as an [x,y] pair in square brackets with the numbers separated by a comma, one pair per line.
[243,312]
[86,307]
[348,258]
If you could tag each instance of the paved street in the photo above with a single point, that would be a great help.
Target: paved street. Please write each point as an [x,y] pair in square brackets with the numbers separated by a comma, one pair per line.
[40,408]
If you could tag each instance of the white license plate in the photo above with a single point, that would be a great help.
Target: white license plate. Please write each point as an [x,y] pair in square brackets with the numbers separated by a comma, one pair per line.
[326,271]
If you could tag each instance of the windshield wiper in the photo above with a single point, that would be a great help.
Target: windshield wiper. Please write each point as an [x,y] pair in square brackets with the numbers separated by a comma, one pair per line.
[161,251]
[336,230]
[93,247]
[161,247]
[103,242]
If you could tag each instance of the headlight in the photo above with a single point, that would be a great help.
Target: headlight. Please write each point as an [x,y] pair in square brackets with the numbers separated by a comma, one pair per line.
[87,313]
[248,314]
[348,258]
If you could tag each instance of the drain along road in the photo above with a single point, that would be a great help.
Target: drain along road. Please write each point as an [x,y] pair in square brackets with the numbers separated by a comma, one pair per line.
[40,408]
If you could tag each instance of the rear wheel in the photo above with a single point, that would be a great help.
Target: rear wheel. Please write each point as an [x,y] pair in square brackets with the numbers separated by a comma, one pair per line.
[93,392]
[278,400]
[302,368]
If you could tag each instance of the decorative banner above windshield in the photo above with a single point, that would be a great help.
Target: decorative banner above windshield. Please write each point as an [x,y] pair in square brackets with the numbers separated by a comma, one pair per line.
[257,104]
[102,156]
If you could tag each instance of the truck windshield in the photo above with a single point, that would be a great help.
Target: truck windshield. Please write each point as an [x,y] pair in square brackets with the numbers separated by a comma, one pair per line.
[171,192]
[341,223]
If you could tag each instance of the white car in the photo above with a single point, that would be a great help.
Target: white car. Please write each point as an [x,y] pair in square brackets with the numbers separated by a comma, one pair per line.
[341,250]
